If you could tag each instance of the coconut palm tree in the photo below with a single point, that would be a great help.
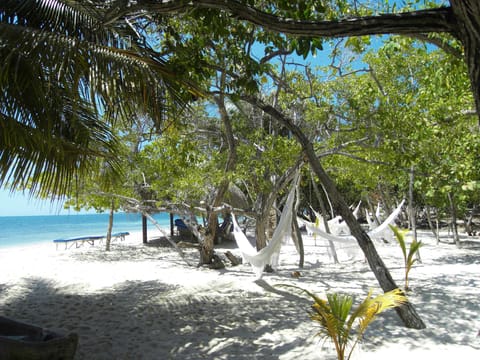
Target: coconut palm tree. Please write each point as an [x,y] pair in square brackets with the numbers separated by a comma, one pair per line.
[67,73]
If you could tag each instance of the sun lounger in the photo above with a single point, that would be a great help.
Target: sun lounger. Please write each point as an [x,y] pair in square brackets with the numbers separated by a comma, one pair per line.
[78,241]
[182,229]
[120,235]
[90,239]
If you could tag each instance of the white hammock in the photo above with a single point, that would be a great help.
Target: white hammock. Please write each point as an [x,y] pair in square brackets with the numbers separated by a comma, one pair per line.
[269,254]
[349,243]
[336,225]
[388,221]
[346,244]
[371,223]
[378,212]
[357,209]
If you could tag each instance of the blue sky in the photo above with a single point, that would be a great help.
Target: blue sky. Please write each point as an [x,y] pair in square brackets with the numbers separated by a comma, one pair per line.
[18,204]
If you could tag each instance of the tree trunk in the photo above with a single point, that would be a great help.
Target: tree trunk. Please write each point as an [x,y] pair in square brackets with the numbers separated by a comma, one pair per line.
[144,229]
[386,200]
[266,221]
[467,15]
[406,312]
[413,211]
[261,223]
[430,224]
[271,223]
[297,235]
[110,226]
[371,210]
[206,248]
[438,231]
[469,222]
[453,213]
[332,211]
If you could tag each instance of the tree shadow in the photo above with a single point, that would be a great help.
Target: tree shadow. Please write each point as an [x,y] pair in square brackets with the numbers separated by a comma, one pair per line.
[447,303]
[444,312]
[153,320]
[136,253]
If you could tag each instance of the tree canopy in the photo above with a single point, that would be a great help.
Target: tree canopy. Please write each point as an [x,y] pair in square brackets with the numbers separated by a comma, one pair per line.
[76,60]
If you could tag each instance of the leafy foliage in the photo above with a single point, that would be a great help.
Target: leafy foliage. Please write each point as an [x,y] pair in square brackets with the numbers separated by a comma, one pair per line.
[63,67]
[76,61]
[402,105]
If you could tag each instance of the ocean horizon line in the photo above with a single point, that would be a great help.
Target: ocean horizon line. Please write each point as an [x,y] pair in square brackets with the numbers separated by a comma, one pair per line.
[83,213]
[44,228]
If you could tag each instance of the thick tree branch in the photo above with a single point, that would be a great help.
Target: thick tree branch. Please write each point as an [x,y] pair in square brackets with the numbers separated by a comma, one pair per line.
[431,20]
[468,25]
[440,43]
[460,19]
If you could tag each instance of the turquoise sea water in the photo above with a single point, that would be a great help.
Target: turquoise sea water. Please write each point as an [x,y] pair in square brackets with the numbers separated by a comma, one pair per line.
[25,230]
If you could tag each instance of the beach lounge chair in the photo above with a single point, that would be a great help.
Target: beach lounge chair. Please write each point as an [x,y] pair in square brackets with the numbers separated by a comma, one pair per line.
[225,230]
[120,235]
[182,229]
[78,241]
[90,239]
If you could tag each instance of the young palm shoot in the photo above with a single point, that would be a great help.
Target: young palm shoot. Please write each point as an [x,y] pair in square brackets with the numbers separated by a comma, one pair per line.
[345,326]
[409,257]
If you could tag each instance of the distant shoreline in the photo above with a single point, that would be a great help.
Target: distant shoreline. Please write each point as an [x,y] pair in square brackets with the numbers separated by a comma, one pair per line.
[39,229]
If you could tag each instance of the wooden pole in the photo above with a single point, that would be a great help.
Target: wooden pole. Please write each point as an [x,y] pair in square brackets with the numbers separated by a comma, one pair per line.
[144,229]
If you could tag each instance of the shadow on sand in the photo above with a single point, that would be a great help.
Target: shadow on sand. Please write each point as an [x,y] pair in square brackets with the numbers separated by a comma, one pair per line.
[155,320]
[162,321]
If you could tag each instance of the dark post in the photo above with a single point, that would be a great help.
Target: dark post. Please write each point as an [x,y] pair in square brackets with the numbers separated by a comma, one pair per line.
[172,229]
[144,229]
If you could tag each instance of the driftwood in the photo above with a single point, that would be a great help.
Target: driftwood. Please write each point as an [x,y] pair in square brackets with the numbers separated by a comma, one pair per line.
[235,260]
[186,244]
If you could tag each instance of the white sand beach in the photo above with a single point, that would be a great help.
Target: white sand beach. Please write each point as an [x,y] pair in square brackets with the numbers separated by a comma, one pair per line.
[145,302]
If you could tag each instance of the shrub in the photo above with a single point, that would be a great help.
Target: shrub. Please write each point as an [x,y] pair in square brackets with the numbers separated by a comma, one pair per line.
[343,324]
[409,257]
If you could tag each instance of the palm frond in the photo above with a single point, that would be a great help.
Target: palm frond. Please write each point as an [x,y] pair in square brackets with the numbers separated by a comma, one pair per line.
[63,71]
[97,73]
[337,321]
[372,306]
[414,248]
[400,236]
[78,19]
[46,157]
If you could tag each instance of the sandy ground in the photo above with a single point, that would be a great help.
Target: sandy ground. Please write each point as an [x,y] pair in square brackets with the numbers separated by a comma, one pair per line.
[145,302]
